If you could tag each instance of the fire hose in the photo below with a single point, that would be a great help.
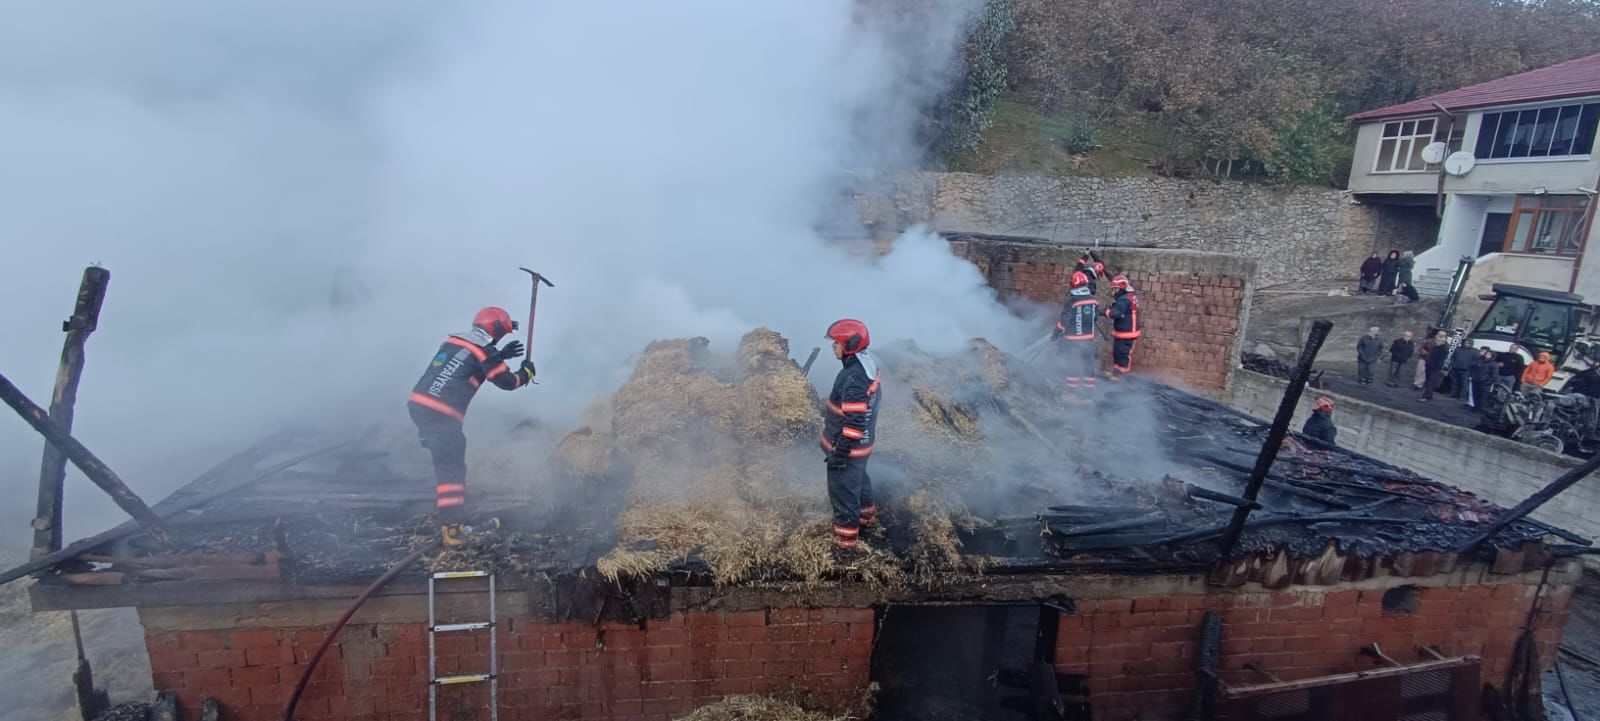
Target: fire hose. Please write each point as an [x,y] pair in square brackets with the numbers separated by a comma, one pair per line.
[311,664]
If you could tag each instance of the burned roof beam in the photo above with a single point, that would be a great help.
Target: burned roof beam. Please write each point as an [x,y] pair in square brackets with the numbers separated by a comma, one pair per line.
[91,465]
[1280,428]
[53,469]
[1532,503]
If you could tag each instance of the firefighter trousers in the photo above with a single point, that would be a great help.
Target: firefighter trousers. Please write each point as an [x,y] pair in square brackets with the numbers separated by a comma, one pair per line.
[1077,358]
[850,494]
[444,439]
[1122,354]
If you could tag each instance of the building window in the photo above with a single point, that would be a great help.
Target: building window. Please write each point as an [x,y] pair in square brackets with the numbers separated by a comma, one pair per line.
[1400,150]
[1547,225]
[1558,132]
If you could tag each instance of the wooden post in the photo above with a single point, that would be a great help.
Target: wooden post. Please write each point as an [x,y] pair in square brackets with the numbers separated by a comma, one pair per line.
[91,466]
[53,471]
[1280,428]
[91,701]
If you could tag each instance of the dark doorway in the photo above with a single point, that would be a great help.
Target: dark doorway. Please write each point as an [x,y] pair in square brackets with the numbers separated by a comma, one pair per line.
[1495,227]
[958,663]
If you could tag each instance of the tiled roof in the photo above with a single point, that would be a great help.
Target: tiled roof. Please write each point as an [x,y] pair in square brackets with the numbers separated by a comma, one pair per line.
[1571,79]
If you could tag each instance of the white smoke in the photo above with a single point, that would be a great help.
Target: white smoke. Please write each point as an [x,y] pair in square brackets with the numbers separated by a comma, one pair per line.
[299,200]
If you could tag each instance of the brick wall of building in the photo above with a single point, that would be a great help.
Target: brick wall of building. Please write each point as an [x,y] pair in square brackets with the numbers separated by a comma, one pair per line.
[547,671]
[1193,305]
[1135,638]
[1140,654]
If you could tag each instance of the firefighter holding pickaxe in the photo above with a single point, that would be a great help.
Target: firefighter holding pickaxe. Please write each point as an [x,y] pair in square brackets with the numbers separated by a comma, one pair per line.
[438,402]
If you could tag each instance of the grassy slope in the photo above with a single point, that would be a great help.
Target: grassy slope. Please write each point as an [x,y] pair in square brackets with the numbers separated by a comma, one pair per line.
[1023,141]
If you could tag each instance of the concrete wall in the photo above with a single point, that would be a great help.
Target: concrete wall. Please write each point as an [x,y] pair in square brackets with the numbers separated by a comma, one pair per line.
[1500,470]
[1292,234]
[1193,305]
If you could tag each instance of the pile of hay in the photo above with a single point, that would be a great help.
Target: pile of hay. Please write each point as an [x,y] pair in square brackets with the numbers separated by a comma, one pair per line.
[756,708]
[726,474]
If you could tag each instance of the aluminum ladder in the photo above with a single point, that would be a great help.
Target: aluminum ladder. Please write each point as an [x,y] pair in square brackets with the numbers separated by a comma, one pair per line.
[435,628]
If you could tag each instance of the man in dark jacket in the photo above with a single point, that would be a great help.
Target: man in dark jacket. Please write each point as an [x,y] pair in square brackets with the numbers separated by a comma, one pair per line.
[1462,360]
[438,405]
[1368,349]
[1320,424]
[1399,355]
[1483,375]
[849,431]
[1075,331]
[1435,366]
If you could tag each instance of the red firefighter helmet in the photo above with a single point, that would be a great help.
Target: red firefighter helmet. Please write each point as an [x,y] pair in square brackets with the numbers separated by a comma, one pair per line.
[851,334]
[494,321]
[1079,278]
[1121,281]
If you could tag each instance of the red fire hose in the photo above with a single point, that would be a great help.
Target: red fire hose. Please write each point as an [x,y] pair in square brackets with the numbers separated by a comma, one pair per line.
[311,666]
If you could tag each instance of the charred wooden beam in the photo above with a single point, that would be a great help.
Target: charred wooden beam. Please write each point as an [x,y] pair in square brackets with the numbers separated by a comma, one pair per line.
[91,701]
[53,470]
[1280,428]
[80,456]
[170,507]
[1207,494]
[1066,529]
[1533,502]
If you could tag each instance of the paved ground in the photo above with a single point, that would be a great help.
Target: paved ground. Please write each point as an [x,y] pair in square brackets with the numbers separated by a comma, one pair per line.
[1340,377]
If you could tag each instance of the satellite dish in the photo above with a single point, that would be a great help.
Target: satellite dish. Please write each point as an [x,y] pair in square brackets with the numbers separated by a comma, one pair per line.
[1434,152]
[1459,163]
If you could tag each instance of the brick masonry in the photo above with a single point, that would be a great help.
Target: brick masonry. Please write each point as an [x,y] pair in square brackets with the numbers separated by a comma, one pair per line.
[1140,654]
[658,670]
[1136,638]
[1194,305]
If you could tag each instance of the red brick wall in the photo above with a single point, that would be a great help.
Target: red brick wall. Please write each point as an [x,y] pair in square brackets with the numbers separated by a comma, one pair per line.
[1193,305]
[547,671]
[1140,655]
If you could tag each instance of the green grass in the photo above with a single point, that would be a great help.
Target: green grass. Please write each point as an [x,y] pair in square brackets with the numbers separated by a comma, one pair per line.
[1024,141]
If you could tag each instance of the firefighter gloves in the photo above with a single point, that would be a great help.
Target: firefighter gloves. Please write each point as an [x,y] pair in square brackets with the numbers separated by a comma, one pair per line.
[512,350]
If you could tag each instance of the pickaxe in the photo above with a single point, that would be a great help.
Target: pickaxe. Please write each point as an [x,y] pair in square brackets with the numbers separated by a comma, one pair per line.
[533,305]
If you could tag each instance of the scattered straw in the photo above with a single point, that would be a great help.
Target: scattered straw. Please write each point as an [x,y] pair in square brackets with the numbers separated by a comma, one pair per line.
[756,708]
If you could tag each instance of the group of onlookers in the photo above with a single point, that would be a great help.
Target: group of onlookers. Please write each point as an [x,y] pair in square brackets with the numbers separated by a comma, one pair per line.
[1446,364]
[1390,276]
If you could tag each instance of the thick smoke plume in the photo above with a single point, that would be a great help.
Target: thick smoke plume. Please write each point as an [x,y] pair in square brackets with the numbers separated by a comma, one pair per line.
[299,200]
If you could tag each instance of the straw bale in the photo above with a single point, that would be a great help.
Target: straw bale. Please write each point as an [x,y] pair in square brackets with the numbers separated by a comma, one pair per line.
[762,350]
[778,407]
[585,452]
[756,708]
[673,356]
[652,407]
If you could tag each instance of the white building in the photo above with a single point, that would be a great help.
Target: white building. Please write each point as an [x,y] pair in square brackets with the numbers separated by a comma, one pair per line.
[1517,183]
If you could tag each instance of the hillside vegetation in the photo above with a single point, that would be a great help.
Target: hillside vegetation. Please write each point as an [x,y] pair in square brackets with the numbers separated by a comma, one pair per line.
[1248,89]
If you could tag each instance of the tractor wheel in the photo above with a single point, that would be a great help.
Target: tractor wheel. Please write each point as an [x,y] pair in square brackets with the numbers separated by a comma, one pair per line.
[1546,441]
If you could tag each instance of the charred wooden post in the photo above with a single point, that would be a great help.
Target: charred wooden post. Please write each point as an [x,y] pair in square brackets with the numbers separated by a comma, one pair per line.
[91,701]
[53,471]
[1539,498]
[1210,659]
[1280,428]
[80,456]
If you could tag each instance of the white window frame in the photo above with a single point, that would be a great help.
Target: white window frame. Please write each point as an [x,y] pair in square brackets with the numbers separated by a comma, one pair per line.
[1404,142]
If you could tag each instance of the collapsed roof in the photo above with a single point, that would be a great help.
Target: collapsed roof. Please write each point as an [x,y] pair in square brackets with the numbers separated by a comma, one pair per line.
[702,469]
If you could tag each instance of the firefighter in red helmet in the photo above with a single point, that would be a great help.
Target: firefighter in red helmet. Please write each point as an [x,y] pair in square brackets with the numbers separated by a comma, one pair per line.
[438,405]
[1125,326]
[848,433]
[1075,329]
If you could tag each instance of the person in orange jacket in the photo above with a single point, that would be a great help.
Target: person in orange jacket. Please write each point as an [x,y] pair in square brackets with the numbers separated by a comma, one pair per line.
[1538,372]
